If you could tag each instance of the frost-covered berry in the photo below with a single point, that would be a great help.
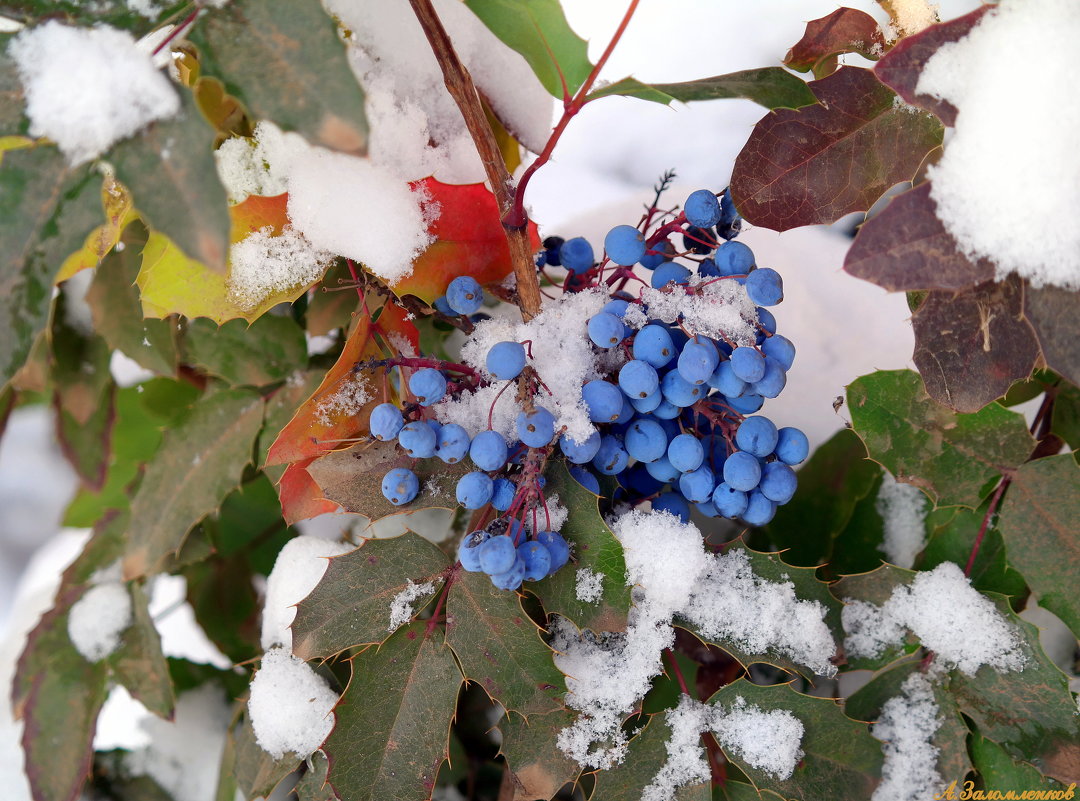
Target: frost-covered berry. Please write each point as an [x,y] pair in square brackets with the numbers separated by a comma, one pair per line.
[497,554]
[604,400]
[512,578]
[759,509]
[558,549]
[757,436]
[585,479]
[686,453]
[747,364]
[765,287]
[537,559]
[667,272]
[781,349]
[606,330]
[778,482]
[400,485]
[502,495]
[469,550]
[674,503]
[653,345]
[452,443]
[418,439]
[792,446]
[729,502]
[576,254]
[580,452]
[742,471]
[464,294]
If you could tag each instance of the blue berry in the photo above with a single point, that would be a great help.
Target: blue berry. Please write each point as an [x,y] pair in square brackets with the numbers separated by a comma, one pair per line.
[759,509]
[772,383]
[778,482]
[678,390]
[747,364]
[464,294]
[698,485]
[653,344]
[418,439]
[747,403]
[400,485]
[386,421]
[576,255]
[734,258]
[657,255]
[766,319]
[605,401]
[707,269]
[506,360]
[702,209]
[586,479]
[667,272]
[781,349]
[708,509]
[729,502]
[537,559]
[698,360]
[666,410]
[503,491]
[674,503]
[686,453]
[624,245]
[557,547]
[645,440]
[626,414]
[725,380]
[452,443]
[663,470]
[742,471]
[536,428]
[552,244]
[428,385]
[474,490]
[730,222]
[756,436]
[638,379]
[648,403]
[441,305]
[580,452]
[606,330]
[611,459]
[512,578]
[488,450]
[469,550]
[699,240]
[765,287]
[792,447]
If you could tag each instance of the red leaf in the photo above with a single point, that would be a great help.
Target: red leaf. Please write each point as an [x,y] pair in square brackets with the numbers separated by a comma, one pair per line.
[469,240]
[300,496]
[818,163]
[906,248]
[846,30]
[903,65]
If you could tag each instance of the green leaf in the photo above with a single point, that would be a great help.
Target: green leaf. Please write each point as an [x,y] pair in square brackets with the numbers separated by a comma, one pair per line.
[831,483]
[1039,526]
[537,766]
[313,785]
[593,547]
[139,663]
[857,548]
[739,791]
[952,457]
[391,750]
[771,87]
[645,756]
[48,209]
[169,169]
[499,646]
[285,60]
[115,13]
[226,606]
[538,30]
[12,119]
[999,771]
[952,538]
[256,771]
[1066,415]
[117,309]
[842,761]
[201,461]
[351,605]
[875,587]
[270,349]
[250,522]
[187,675]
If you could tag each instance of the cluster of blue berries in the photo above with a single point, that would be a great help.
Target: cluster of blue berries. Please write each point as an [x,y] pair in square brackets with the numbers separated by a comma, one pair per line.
[501,551]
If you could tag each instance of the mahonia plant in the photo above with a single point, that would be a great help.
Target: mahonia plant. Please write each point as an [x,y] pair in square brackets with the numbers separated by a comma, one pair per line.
[576,560]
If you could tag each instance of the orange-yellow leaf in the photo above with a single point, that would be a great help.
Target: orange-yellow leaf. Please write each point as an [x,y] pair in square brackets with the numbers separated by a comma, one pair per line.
[301,497]
[118,213]
[257,212]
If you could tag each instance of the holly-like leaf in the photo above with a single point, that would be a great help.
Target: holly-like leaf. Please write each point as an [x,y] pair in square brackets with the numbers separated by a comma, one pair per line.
[1066,415]
[117,309]
[842,761]
[1038,523]
[538,30]
[139,663]
[391,750]
[1003,773]
[119,213]
[301,498]
[831,483]
[875,587]
[351,605]
[48,208]
[905,248]
[468,240]
[257,773]
[286,61]
[270,349]
[846,30]
[818,163]
[313,786]
[594,547]
[971,346]
[952,538]
[200,461]
[538,768]
[903,65]
[1053,314]
[281,406]
[330,310]
[645,756]
[225,603]
[952,457]
[771,87]
[499,646]
[169,169]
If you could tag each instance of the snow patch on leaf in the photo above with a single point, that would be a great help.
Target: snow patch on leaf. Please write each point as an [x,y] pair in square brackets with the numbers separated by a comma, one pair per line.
[300,566]
[263,264]
[401,608]
[903,510]
[290,705]
[906,726]
[98,618]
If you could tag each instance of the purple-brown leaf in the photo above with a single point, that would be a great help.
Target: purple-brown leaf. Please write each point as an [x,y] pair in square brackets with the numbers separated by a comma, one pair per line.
[906,248]
[902,66]
[818,163]
[1055,315]
[846,30]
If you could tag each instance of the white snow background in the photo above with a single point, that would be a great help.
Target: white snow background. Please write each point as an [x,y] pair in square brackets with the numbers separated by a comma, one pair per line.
[602,172]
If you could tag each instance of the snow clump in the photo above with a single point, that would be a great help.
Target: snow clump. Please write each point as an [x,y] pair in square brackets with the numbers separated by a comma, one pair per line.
[98,618]
[401,608]
[299,568]
[290,705]
[903,510]
[262,264]
[906,726]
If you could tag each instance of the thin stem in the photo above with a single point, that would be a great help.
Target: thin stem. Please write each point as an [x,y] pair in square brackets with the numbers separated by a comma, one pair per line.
[434,619]
[677,671]
[985,524]
[180,26]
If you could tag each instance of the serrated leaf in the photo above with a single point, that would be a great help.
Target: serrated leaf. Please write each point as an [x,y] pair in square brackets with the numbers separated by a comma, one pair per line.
[391,750]
[971,346]
[313,785]
[835,478]
[468,240]
[645,756]
[1066,415]
[170,171]
[499,646]
[286,61]
[771,87]
[1039,525]
[842,761]
[1053,314]
[270,349]
[818,163]
[537,766]
[139,663]
[538,30]
[594,547]
[350,606]
[1000,771]
[117,309]
[301,498]
[845,30]
[258,773]
[950,456]
[858,547]
[226,606]
[875,587]
[200,461]
[48,209]
[905,247]
[903,65]
[330,307]
[116,201]
[952,537]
